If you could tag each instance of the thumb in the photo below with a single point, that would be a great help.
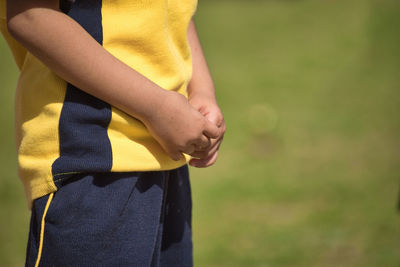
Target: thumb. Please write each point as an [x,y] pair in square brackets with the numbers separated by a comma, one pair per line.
[210,130]
[176,156]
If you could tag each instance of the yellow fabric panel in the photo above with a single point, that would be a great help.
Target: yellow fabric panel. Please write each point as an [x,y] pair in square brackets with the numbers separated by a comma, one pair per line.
[3,9]
[133,147]
[150,37]
[179,15]
[38,149]
[137,33]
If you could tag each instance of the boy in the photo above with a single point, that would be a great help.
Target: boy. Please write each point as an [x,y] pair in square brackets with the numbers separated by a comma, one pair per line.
[112,97]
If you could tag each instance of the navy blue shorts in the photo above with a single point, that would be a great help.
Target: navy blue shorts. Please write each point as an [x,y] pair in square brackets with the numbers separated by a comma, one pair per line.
[114,219]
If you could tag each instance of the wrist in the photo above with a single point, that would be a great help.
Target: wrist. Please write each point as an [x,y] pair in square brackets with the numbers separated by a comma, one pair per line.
[160,104]
[203,96]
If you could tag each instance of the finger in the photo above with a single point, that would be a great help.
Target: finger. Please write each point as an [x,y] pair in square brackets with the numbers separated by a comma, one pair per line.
[203,143]
[213,117]
[202,163]
[206,153]
[221,124]
[175,155]
[190,149]
[215,144]
[211,130]
[202,154]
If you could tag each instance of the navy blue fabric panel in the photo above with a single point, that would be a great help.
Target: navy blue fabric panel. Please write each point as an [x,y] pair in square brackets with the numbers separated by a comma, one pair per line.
[84,119]
[116,219]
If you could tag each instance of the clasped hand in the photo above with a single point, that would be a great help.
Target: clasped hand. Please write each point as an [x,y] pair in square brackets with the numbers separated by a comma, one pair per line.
[208,107]
[195,127]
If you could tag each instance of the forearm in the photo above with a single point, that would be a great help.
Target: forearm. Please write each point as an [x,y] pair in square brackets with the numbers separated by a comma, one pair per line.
[202,96]
[201,83]
[76,57]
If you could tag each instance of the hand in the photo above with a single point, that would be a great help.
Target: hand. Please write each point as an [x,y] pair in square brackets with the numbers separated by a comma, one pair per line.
[208,107]
[178,127]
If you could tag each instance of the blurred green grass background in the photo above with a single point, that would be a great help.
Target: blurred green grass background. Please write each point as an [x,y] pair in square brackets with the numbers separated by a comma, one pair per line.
[308,174]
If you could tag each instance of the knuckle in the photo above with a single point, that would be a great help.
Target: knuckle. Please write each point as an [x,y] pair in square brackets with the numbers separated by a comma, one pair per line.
[223,128]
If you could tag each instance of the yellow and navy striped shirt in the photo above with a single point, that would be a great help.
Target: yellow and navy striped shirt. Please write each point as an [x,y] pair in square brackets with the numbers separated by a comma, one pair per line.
[62,130]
